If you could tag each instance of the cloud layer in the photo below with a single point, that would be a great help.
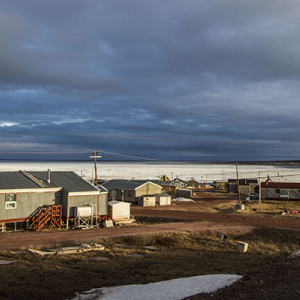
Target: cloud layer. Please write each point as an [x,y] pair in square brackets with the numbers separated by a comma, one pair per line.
[171,80]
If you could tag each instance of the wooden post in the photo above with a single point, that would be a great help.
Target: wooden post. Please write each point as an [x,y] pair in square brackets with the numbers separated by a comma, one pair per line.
[95,160]
[238,183]
[259,188]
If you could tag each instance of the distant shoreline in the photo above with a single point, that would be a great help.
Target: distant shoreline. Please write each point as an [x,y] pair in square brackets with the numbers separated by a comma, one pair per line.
[271,163]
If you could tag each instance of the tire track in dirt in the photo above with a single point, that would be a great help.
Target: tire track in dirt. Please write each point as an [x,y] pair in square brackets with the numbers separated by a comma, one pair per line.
[25,240]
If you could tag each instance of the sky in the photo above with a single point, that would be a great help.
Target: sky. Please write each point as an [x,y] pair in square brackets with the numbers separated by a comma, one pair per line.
[195,80]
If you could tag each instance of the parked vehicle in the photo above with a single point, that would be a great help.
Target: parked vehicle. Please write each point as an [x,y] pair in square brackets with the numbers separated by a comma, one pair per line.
[253,196]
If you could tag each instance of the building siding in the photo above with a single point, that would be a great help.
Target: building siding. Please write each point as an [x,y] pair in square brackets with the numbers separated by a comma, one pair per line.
[27,204]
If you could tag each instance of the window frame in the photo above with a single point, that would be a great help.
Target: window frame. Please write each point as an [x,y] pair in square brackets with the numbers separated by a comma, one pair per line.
[10,204]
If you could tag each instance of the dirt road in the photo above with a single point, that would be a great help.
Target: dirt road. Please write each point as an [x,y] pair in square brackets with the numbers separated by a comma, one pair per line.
[192,221]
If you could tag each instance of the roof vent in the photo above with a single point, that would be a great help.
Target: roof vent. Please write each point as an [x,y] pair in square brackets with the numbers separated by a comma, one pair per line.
[49,173]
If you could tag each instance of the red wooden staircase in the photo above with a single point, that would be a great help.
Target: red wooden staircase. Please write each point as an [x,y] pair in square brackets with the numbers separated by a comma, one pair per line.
[48,216]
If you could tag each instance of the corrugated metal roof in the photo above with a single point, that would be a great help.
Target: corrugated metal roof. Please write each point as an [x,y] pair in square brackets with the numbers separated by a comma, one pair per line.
[15,180]
[123,184]
[68,180]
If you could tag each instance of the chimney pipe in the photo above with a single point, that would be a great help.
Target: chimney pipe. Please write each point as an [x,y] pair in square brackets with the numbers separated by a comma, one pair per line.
[48,180]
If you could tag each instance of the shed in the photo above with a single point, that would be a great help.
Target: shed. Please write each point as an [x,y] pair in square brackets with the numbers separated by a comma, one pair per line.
[148,200]
[118,210]
[183,193]
[163,199]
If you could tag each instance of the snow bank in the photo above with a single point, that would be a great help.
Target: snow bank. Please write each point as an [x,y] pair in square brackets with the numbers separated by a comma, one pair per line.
[182,199]
[175,289]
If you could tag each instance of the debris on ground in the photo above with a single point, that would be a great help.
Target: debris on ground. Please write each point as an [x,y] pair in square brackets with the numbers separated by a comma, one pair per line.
[183,199]
[241,246]
[150,248]
[99,258]
[222,236]
[124,221]
[18,252]
[6,262]
[135,255]
[68,250]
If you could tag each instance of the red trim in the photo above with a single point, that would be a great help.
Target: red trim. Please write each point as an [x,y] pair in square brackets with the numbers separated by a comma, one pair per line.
[280,185]
[67,206]
[13,220]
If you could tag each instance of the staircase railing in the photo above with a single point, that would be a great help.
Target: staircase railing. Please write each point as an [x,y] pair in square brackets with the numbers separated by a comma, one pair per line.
[48,216]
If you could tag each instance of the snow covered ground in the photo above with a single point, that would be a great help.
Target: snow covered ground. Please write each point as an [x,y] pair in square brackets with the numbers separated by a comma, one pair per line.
[202,172]
[175,289]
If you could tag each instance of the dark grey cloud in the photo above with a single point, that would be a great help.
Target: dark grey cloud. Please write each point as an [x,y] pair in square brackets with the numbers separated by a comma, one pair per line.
[207,80]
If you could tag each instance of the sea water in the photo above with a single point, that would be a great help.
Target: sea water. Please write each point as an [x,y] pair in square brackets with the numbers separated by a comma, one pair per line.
[202,172]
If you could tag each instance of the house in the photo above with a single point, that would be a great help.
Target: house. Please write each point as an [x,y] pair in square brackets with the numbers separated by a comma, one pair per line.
[279,191]
[246,186]
[193,183]
[131,190]
[178,183]
[166,186]
[170,186]
[23,195]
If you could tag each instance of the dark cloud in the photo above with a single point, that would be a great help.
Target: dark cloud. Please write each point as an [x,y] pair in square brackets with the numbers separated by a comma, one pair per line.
[207,80]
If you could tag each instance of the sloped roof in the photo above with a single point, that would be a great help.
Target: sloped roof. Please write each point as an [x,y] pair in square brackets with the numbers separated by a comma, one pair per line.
[125,184]
[280,185]
[68,180]
[115,202]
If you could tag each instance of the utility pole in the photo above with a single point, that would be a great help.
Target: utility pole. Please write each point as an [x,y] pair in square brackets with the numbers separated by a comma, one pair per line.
[95,160]
[238,182]
[259,188]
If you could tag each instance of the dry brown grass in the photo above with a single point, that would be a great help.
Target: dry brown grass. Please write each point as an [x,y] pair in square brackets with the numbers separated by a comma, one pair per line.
[264,209]
[180,254]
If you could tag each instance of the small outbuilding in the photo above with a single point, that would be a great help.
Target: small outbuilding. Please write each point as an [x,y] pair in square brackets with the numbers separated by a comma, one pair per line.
[118,210]
[147,200]
[183,193]
[163,199]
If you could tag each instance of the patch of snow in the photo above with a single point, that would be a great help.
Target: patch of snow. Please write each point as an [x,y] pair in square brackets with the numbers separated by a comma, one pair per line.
[295,254]
[182,199]
[175,289]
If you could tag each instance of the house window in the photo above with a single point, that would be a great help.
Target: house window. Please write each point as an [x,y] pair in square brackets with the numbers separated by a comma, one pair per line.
[277,191]
[129,193]
[10,201]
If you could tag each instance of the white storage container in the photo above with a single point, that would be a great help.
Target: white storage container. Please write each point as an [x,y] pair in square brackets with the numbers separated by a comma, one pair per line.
[83,211]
